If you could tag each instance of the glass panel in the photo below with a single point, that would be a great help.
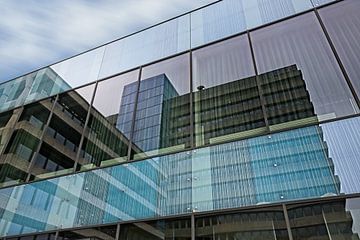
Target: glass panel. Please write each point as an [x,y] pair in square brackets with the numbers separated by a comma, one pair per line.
[217,21]
[279,167]
[338,219]
[95,233]
[317,3]
[7,121]
[342,23]
[49,236]
[79,70]
[15,161]
[343,139]
[157,230]
[287,165]
[265,11]
[162,122]
[152,44]
[30,88]
[230,17]
[263,223]
[287,101]
[14,92]
[46,83]
[61,140]
[226,99]
[138,190]
[107,136]
[299,42]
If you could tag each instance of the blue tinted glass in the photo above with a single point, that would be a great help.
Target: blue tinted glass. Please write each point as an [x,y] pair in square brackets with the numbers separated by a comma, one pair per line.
[284,166]
[278,167]
[14,93]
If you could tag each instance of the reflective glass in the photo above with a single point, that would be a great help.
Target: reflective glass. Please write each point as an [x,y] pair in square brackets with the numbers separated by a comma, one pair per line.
[317,3]
[162,122]
[45,84]
[146,46]
[62,137]
[157,230]
[14,92]
[230,17]
[95,233]
[107,137]
[80,70]
[279,167]
[7,120]
[30,88]
[226,99]
[287,101]
[263,223]
[24,141]
[342,23]
[337,219]
[300,42]
[343,140]
[48,236]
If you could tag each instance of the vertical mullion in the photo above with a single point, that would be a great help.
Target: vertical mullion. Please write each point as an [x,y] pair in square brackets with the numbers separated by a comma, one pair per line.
[56,235]
[262,99]
[287,221]
[337,57]
[131,135]
[192,132]
[192,226]
[85,127]
[12,128]
[118,227]
[41,140]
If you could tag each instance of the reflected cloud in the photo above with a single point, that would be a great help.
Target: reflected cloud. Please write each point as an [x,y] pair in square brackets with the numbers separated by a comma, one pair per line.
[40,32]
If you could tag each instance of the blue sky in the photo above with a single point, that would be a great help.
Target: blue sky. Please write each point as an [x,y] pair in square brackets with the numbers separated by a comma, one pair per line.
[35,33]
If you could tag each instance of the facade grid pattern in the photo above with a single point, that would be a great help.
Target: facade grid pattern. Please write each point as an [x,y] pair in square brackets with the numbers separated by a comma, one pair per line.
[256,124]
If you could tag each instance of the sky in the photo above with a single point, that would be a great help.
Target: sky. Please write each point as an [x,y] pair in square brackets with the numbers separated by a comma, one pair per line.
[36,33]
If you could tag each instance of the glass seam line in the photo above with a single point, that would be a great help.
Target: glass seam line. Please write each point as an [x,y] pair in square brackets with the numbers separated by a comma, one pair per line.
[41,140]
[209,213]
[85,127]
[131,136]
[334,51]
[262,100]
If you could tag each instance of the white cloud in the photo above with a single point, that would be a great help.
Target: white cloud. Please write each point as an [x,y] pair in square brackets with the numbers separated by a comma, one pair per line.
[34,33]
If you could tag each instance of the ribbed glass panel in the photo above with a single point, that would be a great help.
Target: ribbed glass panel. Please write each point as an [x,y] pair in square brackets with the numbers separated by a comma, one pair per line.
[162,120]
[300,42]
[342,22]
[317,3]
[23,142]
[108,132]
[280,167]
[230,17]
[343,141]
[152,44]
[80,70]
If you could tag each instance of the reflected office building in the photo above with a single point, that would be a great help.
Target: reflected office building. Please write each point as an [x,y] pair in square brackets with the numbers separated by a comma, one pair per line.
[239,124]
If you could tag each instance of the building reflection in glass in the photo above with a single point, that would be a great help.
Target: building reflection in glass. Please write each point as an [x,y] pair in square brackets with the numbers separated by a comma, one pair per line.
[282,166]
[289,165]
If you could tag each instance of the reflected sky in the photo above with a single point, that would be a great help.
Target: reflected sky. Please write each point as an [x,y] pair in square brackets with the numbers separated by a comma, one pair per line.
[41,32]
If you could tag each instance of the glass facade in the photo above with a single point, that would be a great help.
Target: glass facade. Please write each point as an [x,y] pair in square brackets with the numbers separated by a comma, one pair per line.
[238,120]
